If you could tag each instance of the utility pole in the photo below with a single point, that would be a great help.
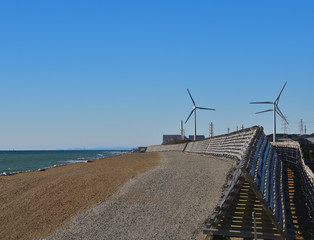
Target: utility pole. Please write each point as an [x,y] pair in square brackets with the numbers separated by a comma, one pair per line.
[242,127]
[228,130]
[211,129]
[305,129]
[301,127]
[181,130]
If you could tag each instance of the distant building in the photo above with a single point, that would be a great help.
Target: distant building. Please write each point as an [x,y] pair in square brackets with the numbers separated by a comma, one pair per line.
[198,137]
[171,138]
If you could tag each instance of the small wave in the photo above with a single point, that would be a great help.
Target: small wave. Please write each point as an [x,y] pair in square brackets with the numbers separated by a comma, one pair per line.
[12,173]
[75,161]
[47,160]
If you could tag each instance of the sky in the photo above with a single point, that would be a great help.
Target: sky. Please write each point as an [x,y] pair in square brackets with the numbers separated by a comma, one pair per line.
[86,74]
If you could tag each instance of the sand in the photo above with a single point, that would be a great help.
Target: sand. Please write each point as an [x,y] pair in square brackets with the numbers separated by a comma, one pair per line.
[36,204]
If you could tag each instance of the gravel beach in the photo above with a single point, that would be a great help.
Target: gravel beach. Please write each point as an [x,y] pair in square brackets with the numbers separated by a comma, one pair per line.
[36,204]
[171,201]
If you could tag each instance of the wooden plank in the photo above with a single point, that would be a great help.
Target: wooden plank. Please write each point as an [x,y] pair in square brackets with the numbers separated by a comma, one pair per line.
[244,234]
[247,222]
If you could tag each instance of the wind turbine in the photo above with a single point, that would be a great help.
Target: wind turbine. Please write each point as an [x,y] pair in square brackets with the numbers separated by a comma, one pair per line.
[275,110]
[194,110]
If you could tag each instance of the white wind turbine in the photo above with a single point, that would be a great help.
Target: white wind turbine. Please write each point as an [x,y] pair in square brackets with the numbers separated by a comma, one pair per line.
[194,110]
[274,110]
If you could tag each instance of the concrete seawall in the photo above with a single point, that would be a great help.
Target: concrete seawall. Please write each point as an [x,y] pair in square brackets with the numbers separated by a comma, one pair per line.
[231,145]
[258,167]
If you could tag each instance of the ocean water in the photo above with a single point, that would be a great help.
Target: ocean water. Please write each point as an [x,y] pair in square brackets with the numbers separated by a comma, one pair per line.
[12,162]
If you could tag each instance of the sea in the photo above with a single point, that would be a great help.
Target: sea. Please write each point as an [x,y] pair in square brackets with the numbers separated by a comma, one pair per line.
[12,162]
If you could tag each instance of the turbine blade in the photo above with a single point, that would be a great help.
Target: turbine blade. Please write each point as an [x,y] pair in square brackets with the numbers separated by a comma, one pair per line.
[191,97]
[281,115]
[261,103]
[189,116]
[277,99]
[206,108]
[269,110]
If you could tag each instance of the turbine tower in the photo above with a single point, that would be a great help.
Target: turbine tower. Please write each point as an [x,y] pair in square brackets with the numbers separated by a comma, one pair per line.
[194,110]
[274,110]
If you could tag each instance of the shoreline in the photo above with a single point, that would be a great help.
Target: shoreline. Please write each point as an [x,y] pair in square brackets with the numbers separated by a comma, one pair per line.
[3,173]
[35,204]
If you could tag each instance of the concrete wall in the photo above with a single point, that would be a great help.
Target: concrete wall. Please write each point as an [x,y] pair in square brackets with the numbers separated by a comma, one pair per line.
[231,145]
[166,148]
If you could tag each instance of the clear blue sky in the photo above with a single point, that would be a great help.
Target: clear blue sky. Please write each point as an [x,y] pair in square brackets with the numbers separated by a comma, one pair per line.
[114,73]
